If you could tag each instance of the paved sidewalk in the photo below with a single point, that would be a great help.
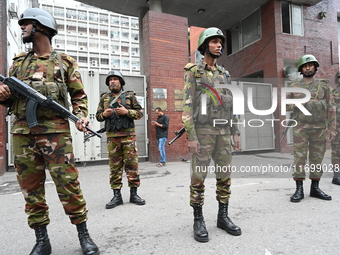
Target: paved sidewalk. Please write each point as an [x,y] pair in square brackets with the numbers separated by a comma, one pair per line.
[259,204]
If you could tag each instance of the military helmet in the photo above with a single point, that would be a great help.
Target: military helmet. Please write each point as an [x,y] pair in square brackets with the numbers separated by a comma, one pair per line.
[42,16]
[337,75]
[208,33]
[307,59]
[115,73]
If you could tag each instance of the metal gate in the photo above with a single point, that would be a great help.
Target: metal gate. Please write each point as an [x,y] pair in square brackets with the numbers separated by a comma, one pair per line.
[257,133]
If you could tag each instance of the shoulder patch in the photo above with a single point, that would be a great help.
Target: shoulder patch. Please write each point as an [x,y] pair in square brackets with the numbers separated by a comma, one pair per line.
[77,74]
[189,66]
[20,55]
[130,92]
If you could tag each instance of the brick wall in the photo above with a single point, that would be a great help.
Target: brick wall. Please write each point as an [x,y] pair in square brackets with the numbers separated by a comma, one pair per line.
[165,49]
[3,57]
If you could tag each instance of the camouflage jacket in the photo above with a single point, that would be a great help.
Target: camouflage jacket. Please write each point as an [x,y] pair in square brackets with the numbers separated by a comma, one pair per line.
[320,91]
[135,111]
[191,76]
[36,70]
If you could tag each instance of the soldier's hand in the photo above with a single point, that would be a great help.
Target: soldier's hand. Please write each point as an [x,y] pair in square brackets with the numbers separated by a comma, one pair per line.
[194,146]
[5,92]
[330,136]
[81,126]
[121,110]
[237,143]
[107,113]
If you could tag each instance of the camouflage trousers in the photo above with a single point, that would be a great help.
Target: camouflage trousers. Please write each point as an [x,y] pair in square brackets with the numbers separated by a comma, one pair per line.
[123,154]
[312,142]
[218,148]
[336,153]
[34,153]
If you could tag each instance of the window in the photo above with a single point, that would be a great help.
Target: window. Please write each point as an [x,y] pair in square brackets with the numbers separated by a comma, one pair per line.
[114,20]
[292,18]
[59,12]
[244,33]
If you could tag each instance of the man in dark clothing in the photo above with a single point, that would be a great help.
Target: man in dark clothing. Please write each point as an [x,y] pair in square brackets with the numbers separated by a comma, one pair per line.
[161,126]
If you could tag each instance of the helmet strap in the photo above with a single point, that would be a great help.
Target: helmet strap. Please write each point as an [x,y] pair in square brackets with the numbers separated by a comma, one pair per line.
[29,38]
[212,55]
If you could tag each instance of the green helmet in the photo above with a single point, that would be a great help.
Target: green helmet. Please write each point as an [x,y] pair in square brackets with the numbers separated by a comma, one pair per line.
[307,59]
[337,75]
[115,73]
[42,16]
[208,33]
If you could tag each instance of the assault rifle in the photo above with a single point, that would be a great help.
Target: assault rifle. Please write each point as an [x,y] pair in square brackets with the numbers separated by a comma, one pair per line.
[178,134]
[287,127]
[34,98]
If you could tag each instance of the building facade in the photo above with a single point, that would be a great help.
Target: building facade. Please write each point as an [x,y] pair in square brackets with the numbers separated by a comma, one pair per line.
[97,39]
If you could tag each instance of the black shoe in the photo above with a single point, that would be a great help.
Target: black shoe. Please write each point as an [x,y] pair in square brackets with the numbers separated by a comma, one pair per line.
[134,198]
[43,245]
[224,222]
[298,195]
[200,231]
[86,243]
[336,180]
[315,191]
[116,200]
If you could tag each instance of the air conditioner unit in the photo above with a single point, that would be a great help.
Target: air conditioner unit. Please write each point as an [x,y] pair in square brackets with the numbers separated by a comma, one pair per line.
[81,33]
[58,45]
[94,63]
[134,67]
[113,51]
[133,53]
[91,34]
[81,48]
[114,66]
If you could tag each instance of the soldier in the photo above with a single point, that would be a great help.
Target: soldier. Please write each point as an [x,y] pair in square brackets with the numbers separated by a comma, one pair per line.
[336,141]
[119,109]
[48,145]
[206,140]
[312,131]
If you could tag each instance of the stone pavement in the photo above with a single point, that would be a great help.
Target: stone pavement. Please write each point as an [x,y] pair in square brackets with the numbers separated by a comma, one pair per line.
[259,204]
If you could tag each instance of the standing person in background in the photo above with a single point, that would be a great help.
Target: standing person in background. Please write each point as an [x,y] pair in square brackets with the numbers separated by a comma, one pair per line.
[207,141]
[312,131]
[336,141]
[49,144]
[162,126]
[119,109]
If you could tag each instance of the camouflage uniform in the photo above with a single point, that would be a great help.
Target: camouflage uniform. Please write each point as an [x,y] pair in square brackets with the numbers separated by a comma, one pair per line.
[215,142]
[48,145]
[121,143]
[336,142]
[310,133]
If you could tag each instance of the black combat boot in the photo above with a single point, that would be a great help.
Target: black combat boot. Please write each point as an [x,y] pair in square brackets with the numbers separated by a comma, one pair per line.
[86,243]
[116,200]
[224,222]
[200,231]
[134,198]
[336,177]
[298,195]
[315,191]
[43,245]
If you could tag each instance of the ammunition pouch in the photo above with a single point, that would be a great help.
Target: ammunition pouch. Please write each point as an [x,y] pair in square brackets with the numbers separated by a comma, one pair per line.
[56,91]
[318,109]
[214,109]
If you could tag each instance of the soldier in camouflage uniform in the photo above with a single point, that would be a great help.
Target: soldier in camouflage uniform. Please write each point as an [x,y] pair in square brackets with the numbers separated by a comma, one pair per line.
[312,131]
[119,109]
[336,141]
[49,144]
[206,140]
